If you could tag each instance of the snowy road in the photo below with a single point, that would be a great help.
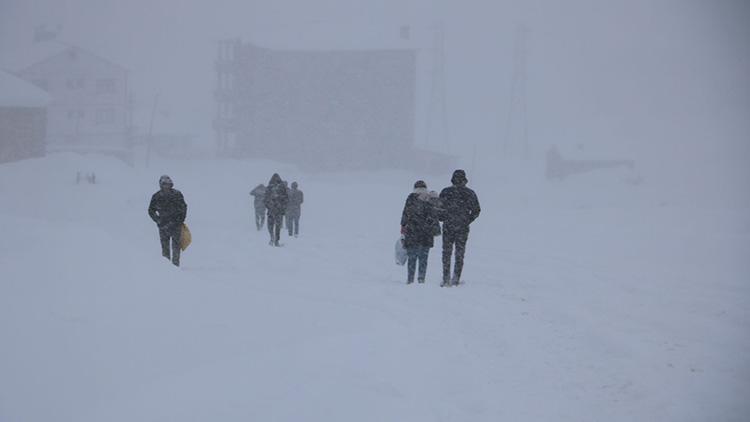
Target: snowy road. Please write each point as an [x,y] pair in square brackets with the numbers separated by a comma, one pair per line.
[570,312]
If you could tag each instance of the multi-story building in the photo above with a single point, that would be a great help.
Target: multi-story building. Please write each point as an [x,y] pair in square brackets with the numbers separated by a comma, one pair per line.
[91,108]
[321,109]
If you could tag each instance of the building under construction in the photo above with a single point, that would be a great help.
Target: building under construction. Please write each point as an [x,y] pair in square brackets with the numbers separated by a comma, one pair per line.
[319,109]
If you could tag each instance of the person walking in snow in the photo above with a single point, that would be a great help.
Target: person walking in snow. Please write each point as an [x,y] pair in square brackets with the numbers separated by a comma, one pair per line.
[460,207]
[294,209]
[168,210]
[419,226]
[275,200]
[260,208]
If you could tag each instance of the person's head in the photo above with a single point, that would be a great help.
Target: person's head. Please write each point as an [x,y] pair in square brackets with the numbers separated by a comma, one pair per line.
[459,178]
[275,179]
[420,184]
[295,185]
[165,182]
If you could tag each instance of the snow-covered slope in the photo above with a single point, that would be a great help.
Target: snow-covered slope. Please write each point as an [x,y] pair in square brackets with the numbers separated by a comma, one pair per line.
[578,306]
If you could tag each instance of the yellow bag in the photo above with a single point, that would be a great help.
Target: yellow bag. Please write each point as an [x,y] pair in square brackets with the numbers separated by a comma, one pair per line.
[185,238]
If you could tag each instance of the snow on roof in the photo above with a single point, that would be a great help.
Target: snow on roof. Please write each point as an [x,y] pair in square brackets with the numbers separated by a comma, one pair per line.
[15,92]
[330,36]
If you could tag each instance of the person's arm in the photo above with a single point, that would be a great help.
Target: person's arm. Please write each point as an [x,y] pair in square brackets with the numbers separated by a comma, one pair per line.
[475,208]
[182,210]
[301,197]
[406,213]
[441,214]
[284,201]
[152,210]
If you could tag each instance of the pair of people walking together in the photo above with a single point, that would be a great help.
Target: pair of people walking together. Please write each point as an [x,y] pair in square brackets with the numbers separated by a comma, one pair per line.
[456,207]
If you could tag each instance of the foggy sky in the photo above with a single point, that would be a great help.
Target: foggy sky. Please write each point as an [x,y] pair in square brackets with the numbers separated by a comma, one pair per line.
[635,78]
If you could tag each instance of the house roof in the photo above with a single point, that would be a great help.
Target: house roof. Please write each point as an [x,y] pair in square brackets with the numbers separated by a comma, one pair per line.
[67,49]
[15,92]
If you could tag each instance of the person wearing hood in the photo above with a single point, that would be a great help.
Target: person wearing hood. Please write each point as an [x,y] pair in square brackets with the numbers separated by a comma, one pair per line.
[275,201]
[168,210]
[419,226]
[460,207]
[260,208]
[294,209]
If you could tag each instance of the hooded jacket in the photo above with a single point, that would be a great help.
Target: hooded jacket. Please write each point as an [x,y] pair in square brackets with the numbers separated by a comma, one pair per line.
[296,198]
[460,205]
[419,219]
[167,208]
[259,193]
[276,198]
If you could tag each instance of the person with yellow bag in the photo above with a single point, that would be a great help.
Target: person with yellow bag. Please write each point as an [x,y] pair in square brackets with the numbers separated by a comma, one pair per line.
[168,210]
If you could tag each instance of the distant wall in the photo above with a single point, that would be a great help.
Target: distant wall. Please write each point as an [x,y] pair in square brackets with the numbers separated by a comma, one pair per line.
[22,133]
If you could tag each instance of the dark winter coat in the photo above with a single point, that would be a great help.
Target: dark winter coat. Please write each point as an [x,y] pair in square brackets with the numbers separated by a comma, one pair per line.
[276,198]
[168,208]
[259,193]
[296,198]
[460,207]
[419,220]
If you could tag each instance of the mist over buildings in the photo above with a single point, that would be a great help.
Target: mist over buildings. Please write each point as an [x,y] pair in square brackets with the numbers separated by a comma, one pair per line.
[663,84]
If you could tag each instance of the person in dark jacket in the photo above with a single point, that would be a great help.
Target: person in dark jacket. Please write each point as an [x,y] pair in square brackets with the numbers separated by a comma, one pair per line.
[294,209]
[260,208]
[168,210]
[419,226]
[460,207]
[276,201]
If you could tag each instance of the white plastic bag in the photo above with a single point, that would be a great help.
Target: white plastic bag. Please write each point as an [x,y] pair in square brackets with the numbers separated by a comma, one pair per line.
[401,255]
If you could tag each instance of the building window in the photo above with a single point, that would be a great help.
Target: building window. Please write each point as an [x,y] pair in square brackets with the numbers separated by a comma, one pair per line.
[75,114]
[105,86]
[105,116]
[75,83]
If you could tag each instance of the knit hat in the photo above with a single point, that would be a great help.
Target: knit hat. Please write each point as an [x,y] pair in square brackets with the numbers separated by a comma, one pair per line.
[165,181]
[459,178]
[420,184]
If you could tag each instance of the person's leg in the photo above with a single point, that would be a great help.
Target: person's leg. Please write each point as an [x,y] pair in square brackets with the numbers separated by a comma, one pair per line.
[270,223]
[447,254]
[258,219]
[164,239]
[277,237]
[411,264]
[262,217]
[290,224]
[296,225]
[176,238]
[461,239]
[424,252]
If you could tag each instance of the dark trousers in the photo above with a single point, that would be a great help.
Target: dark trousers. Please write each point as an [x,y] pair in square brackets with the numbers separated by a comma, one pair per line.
[260,217]
[451,238]
[170,236]
[274,227]
[417,254]
[292,223]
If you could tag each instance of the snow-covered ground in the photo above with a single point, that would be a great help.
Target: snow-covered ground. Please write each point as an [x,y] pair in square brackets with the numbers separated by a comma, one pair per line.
[584,301]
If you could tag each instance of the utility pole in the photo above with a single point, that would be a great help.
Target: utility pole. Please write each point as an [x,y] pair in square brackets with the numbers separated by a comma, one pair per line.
[517,107]
[437,89]
[150,132]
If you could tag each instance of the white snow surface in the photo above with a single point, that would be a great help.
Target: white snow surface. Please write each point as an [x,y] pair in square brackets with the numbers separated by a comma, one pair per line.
[576,307]
[15,92]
